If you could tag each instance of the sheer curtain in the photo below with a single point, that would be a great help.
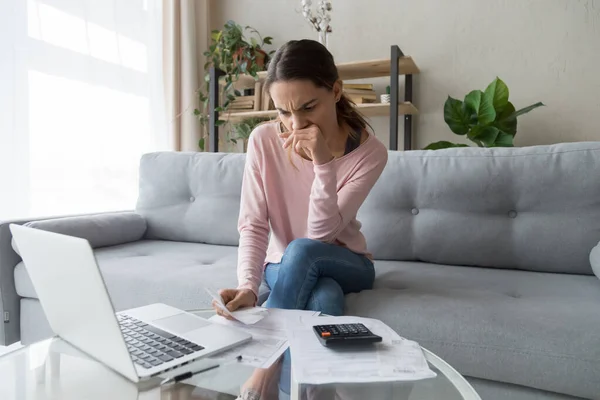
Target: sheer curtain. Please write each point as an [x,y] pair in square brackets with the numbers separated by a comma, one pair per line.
[81,99]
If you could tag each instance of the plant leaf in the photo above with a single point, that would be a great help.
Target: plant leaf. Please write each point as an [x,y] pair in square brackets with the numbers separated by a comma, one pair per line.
[201,144]
[504,140]
[268,40]
[473,101]
[456,116]
[196,112]
[486,114]
[504,122]
[220,122]
[443,145]
[254,42]
[485,134]
[244,66]
[499,93]
[237,92]
[526,109]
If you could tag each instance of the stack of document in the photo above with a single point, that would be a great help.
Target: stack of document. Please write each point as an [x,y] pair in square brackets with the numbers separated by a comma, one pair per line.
[274,330]
[269,336]
[394,359]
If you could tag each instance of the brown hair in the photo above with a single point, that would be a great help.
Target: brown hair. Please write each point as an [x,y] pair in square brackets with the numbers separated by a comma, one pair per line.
[309,60]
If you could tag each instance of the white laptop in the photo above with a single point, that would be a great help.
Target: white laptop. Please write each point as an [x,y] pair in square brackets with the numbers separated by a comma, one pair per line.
[139,343]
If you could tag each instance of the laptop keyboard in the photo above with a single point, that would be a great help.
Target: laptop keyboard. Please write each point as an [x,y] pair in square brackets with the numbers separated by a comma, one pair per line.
[150,346]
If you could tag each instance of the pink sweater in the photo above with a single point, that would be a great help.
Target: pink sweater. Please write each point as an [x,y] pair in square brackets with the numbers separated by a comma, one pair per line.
[306,201]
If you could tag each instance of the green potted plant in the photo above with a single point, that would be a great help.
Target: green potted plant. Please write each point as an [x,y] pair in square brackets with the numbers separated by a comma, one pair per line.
[234,54]
[242,130]
[487,118]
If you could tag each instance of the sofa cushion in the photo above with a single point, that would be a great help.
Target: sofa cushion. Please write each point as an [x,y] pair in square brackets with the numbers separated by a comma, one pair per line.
[539,330]
[146,272]
[100,230]
[191,197]
[533,208]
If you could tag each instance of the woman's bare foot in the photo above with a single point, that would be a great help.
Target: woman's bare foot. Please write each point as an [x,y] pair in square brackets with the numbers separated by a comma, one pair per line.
[262,384]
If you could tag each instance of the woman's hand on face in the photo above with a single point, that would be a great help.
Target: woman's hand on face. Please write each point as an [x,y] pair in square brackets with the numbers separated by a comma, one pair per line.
[310,140]
[235,299]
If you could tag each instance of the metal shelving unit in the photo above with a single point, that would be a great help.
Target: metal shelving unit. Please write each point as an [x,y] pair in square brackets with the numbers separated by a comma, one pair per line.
[398,64]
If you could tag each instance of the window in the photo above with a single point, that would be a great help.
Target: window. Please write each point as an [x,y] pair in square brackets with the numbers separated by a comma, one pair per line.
[81,99]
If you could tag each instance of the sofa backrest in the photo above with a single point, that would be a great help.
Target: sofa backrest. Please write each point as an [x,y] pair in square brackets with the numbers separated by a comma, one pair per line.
[532,208]
[191,197]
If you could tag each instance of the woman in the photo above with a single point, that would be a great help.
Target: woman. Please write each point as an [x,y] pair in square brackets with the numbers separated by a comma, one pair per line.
[305,178]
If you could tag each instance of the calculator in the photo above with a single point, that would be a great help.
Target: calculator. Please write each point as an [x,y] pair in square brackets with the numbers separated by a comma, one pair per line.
[345,334]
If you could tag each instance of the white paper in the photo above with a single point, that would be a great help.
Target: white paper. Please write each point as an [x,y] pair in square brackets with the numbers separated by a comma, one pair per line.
[248,315]
[394,359]
[269,336]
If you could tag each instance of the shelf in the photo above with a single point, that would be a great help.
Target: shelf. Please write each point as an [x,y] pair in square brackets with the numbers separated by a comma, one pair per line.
[375,68]
[379,109]
[353,70]
[350,71]
[368,110]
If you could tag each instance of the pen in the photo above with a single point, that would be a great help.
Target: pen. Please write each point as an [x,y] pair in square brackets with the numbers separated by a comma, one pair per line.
[188,375]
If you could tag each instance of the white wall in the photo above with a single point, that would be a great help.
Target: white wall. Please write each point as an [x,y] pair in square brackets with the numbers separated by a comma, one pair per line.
[545,50]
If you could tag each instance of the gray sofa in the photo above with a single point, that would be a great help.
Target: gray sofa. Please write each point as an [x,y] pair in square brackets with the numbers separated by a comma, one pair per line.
[484,256]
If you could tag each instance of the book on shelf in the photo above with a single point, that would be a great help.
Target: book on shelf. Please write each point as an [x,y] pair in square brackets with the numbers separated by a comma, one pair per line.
[243,98]
[359,91]
[242,107]
[243,103]
[257,95]
[266,103]
[362,100]
[360,86]
[363,95]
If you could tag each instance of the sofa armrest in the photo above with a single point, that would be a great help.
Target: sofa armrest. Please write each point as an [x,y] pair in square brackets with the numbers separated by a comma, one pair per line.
[102,229]
[595,260]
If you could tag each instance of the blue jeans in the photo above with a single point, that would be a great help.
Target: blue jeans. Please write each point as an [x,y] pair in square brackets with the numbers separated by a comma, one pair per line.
[314,275]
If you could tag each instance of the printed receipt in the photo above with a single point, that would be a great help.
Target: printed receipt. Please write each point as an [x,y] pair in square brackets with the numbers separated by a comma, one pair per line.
[248,316]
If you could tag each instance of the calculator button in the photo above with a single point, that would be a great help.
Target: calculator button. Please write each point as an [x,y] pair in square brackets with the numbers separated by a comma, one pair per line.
[325,334]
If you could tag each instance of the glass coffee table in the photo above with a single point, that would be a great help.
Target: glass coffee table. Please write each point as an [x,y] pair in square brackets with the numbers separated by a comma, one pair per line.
[52,369]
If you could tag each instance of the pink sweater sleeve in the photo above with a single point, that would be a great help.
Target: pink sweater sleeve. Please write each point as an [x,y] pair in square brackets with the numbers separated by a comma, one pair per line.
[331,210]
[253,224]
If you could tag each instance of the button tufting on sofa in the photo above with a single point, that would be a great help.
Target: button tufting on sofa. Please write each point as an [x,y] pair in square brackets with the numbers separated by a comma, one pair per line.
[192,199]
[414,211]
[512,214]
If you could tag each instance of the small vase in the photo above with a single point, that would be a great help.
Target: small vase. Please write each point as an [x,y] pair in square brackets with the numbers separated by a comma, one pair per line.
[324,39]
